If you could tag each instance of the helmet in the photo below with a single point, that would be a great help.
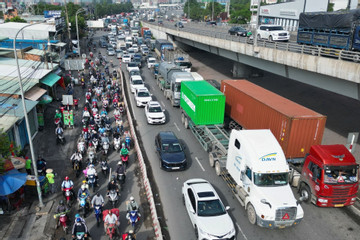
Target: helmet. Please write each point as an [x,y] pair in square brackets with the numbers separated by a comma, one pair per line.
[131,231]
[85,108]
[120,163]
[132,198]
[84,181]
[78,219]
[90,144]
[61,202]
[123,145]
[66,178]
[77,215]
[57,111]
[84,194]
[83,188]
[98,194]
[91,166]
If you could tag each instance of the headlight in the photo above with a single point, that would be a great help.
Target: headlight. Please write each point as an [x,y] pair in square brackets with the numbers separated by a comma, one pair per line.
[353,199]
[232,232]
[322,200]
[203,232]
[275,34]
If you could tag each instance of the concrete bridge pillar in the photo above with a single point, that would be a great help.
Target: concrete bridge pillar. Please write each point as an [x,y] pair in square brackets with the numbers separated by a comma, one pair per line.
[241,70]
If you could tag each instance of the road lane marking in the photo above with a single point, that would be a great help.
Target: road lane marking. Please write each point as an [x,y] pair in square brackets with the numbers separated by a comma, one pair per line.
[177,126]
[241,231]
[162,103]
[200,164]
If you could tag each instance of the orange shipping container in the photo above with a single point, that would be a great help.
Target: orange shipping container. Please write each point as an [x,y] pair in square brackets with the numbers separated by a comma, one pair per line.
[296,127]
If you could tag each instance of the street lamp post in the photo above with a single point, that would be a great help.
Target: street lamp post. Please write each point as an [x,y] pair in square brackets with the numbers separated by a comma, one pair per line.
[77,28]
[27,119]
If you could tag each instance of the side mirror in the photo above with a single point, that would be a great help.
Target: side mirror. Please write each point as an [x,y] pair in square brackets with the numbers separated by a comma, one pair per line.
[227,208]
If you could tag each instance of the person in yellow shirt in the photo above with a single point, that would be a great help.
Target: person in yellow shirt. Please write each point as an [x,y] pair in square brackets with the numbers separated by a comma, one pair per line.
[50,177]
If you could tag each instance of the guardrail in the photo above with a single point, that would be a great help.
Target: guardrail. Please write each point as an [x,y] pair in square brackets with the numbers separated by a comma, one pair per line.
[222,33]
[149,194]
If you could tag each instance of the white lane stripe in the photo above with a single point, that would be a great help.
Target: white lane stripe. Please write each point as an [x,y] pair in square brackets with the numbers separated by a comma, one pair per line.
[162,103]
[200,164]
[241,231]
[177,126]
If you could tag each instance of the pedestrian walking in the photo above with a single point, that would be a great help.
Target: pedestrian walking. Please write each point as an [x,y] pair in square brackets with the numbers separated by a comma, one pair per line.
[50,177]
[28,165]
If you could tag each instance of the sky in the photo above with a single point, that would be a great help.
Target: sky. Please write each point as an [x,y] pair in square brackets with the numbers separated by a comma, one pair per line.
[340,4]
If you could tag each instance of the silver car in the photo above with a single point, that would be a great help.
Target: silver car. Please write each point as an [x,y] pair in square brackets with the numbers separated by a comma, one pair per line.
[110,51]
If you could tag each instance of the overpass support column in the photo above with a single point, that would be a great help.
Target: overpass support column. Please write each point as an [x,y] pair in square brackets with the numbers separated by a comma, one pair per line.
[241,70]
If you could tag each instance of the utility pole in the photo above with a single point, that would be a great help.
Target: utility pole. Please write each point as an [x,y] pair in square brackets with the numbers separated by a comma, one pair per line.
[188,17]
[67,19]
[212,15]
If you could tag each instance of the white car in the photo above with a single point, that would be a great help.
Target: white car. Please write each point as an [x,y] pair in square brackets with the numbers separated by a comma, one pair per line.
[272,33]
[207,213]
[142,97]
[135,47]
[151,62]
[154,113]
[132,65]
[136,82]
[126,58]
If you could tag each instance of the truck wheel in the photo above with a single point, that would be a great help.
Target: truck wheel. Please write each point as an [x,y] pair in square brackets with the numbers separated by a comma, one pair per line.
[217,168]
[305,193]
[182,118]
[251,213]
[211,159]
[186,123]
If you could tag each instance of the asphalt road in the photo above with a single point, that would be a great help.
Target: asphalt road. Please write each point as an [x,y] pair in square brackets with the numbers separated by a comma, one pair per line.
[318,223]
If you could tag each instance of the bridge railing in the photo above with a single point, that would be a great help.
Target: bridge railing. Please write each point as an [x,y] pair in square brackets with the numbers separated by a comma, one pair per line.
[221,33]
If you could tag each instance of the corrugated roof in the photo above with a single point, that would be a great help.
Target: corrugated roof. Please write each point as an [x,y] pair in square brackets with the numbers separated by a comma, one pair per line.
[38,31]
[24,63]
[34,93]
[26,72]
[14,107]
[10,85]
[50,79]
[36,52]
[7,121]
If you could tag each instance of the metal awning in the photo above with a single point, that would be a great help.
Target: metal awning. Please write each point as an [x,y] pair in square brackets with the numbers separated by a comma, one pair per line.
[59,44]
[50,79]
[35,93]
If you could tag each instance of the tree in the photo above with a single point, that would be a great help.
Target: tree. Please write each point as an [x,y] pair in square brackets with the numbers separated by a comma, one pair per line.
[330,7]
[218,8]
[15,19]
[196,12]
[240,11]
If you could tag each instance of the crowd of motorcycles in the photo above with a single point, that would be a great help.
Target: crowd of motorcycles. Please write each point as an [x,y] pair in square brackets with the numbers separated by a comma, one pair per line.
[102,95]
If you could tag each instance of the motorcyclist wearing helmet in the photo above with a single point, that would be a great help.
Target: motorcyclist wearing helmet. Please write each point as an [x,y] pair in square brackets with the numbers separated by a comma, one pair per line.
[124,151]
[67,183]
[121,169]
[59,130]
[79,227]
[110,219]
[112,185]
[62,208]
[58,114]
[77,156]
[129,235]
[41,164]
[82,190]
[132,205]
[97,200]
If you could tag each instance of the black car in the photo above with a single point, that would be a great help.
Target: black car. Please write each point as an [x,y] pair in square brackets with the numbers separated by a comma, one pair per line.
[170,151]
[238,31]
[179,25]
[212,23]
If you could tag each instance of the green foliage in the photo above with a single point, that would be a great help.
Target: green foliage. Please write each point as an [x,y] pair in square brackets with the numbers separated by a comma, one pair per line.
[105,8]
[16,19]
[330,7]
[196,12]
[218,8]
[4,144]
[240,11]
[41,7]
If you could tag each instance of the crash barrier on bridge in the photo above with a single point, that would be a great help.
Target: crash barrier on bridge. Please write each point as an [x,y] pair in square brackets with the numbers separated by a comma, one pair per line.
[149,194]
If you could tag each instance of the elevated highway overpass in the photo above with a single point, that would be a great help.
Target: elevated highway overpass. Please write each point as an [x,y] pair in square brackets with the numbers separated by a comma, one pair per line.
[333,70]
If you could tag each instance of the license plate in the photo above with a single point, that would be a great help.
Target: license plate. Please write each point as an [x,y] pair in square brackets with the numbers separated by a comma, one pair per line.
[282,226]
[175,168]
[338,205]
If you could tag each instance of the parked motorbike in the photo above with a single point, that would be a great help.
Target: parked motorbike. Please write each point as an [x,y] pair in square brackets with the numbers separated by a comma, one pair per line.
[113,198]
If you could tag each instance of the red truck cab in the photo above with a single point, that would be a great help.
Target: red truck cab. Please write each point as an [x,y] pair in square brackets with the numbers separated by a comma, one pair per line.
[329,176]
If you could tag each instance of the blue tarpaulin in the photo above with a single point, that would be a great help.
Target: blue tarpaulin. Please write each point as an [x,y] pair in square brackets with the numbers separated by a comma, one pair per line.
[11,181]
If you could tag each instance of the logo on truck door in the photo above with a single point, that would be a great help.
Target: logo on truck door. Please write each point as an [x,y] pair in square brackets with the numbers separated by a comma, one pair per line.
[268,157]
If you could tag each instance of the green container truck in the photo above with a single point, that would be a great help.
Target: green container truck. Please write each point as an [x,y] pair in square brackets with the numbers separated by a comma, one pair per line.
[202,110]
[202,103]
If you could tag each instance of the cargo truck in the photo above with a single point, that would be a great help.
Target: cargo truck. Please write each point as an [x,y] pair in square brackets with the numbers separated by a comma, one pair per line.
[269,204]
[330,29]
[163,77]
[160,46]
[299,132]
[146,33]
[179,57]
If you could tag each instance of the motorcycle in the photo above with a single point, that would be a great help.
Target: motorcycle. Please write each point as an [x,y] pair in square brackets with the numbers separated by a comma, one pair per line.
[108,128]
[83,205]
[91,181]
[111,230]
[68,196]
[92,158]
[80,236]
[128,236]
[105,146]
[81,147]
[104,167]
[124,159]
[127,142]
[117,144]
[95,143]
[60,138]
[133,217]
[113,198]
[98,213]
[76,103]
[121,179]
[77,168]
[63,220]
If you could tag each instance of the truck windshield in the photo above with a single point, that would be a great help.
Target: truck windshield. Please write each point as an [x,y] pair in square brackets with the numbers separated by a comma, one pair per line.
[340,175]
[177,87]
[271,179]
[184,64]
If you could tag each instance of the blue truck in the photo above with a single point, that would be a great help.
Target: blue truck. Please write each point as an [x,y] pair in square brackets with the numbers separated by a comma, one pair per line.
[339,30]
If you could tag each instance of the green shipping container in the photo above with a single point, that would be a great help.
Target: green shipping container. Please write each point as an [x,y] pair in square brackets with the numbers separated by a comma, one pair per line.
[203,103]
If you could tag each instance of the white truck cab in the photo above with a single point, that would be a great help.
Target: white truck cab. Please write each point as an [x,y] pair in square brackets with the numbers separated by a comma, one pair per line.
[258,165]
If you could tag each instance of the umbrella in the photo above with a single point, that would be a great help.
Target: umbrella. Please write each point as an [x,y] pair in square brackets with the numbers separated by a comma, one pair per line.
[11,182]
[45,99]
